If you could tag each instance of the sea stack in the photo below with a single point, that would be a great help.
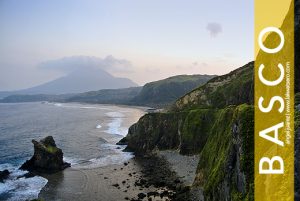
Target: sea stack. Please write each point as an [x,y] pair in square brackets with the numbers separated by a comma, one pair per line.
[47,157]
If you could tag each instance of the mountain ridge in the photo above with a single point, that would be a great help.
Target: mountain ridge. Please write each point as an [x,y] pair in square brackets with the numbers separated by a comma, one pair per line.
[155,94]
[79,81]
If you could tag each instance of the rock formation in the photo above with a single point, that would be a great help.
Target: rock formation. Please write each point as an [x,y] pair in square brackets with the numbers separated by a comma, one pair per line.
[47,157]
[4,175]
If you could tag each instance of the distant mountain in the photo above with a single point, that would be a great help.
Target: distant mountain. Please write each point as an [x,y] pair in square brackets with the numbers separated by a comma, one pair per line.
[79,81]
[155,94]
[164,92]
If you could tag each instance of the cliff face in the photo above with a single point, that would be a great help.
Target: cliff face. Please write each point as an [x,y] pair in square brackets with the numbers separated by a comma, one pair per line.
[185,131]
[154,131]
[222,137]
[225,169]
[215,120]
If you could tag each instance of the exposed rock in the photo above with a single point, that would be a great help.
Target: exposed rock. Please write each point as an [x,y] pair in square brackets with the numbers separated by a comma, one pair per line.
[223,135]
[141,195]
[153,131]
[47,157]
[123,141]
[4,175]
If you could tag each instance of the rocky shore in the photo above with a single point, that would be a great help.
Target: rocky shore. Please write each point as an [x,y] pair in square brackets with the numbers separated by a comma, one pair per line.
[150,178]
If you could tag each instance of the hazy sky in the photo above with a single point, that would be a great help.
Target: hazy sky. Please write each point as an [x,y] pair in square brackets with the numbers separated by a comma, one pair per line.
[159,38]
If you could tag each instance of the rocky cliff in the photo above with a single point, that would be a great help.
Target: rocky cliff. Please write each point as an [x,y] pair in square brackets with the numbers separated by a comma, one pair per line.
[216,121]
[220,136]
[185,131]
[226,166]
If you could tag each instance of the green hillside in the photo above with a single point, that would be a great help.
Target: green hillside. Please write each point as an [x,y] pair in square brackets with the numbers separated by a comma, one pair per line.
[214,120]
[155,94]
[163,92]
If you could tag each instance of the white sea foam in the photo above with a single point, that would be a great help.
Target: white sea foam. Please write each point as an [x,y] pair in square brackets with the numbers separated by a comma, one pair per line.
[115,114]
[80,106]
[58,104]
[19,189]
[98,126]
[72,161]
[116,156]
[115,126]
[107,160]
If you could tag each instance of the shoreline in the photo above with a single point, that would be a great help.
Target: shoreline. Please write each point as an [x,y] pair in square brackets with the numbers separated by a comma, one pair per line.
[141,178]
[140,107]
[92,146]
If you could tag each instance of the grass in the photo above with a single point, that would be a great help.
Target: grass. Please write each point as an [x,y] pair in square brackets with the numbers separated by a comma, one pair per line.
[215,156]
[51,149]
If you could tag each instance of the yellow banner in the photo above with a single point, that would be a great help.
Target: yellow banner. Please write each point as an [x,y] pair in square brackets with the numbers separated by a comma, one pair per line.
[274,100]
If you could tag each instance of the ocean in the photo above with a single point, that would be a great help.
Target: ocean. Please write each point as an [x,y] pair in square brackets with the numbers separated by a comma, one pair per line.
[87,134]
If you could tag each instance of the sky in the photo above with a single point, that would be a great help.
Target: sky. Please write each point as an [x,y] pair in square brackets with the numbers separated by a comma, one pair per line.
[156,38]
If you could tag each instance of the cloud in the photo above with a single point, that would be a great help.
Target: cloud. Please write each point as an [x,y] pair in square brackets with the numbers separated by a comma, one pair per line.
[214,29]
[75,63]
[201,64]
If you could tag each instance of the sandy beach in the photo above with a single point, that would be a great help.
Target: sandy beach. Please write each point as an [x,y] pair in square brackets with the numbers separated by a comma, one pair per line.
[151,178]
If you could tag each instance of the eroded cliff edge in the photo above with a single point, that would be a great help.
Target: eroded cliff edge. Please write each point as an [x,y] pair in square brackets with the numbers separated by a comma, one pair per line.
[214,121]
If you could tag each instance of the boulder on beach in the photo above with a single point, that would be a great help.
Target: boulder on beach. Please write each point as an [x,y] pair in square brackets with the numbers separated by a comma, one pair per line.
[4,175]
[47,157]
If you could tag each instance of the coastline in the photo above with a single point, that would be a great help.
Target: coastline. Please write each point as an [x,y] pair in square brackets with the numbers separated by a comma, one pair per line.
[86,133]
[146,178]
[122,176]
[136,179]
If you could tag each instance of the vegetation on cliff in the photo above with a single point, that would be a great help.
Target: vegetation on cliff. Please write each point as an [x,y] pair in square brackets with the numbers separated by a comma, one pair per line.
[225,169]
[215,121]
[222,137]
[233,88]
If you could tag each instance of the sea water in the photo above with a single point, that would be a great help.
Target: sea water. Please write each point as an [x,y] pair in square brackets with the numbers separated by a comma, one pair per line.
[87,134]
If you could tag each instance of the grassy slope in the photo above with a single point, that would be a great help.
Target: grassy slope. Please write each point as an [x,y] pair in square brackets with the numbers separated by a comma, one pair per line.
[163,92]
[233,88]
[201,122]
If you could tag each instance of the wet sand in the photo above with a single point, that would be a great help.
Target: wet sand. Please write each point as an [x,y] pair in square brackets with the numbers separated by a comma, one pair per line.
[138,179]
[91,184]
